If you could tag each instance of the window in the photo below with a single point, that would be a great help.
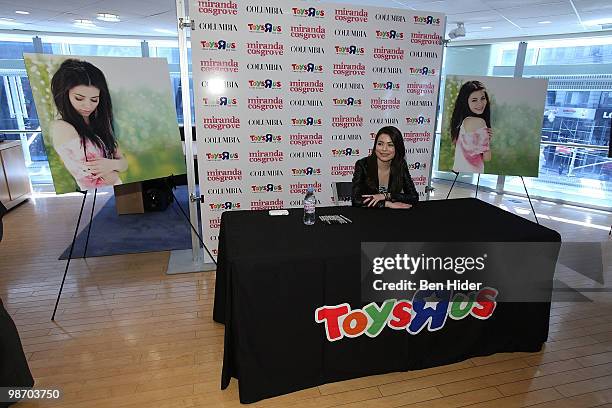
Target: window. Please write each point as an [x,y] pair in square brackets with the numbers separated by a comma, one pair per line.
[576,125]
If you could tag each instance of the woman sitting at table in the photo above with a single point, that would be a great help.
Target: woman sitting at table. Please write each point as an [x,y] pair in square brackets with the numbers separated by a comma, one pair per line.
[382,179]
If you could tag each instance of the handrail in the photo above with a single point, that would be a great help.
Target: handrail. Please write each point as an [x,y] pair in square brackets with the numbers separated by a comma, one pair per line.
[580,145]
[17,131]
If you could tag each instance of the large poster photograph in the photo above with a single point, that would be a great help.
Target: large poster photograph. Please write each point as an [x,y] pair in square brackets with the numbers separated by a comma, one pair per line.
[492,125]
[105,120]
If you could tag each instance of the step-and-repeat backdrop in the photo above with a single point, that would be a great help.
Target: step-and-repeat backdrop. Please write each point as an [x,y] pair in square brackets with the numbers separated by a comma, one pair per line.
[290,94]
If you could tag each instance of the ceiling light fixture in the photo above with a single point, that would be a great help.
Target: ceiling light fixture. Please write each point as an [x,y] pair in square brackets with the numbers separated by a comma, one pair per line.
[22,12]
[486,27]
[164,31]
[601,21]
[544,22]
[84,23]
[111,18]
[9,22]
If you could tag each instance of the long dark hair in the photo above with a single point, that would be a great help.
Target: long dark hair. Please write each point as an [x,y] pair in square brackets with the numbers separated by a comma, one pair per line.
[395,182]
[462,109]
[100,130]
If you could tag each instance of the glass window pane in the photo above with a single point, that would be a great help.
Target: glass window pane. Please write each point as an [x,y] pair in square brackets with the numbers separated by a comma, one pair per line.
[578,110]
[576,175]
[105,50]
[15,49]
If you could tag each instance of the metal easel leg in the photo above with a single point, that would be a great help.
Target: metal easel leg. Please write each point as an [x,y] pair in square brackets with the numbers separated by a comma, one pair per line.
[452,185]
[529,198]
[93,206]
[76,230]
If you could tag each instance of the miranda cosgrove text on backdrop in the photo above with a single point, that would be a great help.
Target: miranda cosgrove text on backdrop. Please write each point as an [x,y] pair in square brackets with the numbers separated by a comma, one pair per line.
[492,125]
[290,94]
[105,120]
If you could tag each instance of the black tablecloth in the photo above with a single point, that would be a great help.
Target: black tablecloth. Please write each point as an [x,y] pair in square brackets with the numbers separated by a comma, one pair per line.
[273,272]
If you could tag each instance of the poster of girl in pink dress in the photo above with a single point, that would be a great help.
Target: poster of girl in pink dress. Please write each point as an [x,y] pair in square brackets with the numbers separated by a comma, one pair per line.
[105,120]
[492,125]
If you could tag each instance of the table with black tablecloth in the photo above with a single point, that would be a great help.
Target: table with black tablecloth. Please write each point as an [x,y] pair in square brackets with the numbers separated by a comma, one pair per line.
[273,273]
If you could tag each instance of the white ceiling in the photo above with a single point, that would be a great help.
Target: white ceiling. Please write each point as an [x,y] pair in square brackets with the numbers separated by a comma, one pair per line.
[508,18]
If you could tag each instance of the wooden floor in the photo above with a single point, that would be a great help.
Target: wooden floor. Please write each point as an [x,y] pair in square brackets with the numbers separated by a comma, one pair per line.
[127,335]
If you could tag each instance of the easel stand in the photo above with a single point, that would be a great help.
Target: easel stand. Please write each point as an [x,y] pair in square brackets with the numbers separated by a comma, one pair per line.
[452,185]
[76,231]
[524,186]
[529,198]
[455,180]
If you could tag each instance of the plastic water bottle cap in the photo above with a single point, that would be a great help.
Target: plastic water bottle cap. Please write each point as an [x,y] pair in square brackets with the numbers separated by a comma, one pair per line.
[310,189]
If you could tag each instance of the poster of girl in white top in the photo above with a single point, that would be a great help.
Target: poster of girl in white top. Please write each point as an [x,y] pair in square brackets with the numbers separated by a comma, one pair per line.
[492,125]
[105,120]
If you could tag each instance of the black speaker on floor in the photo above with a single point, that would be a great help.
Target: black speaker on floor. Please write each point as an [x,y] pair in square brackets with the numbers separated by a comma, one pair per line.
[156,195]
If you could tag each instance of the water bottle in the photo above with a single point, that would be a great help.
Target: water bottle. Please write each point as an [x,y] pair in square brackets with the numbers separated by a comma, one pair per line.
[309,206]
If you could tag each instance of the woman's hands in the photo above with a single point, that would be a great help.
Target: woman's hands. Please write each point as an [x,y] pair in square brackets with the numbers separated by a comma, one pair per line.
[372,199]
[398,205]
[102,168]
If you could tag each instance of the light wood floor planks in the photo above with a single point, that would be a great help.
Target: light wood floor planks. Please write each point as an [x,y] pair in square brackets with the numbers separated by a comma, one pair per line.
[127,335]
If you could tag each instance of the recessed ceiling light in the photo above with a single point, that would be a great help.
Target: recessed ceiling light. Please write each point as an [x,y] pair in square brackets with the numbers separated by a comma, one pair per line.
[486,27]
[164,31]
[111,18]
[84,23]
[601,21]
[9,22]
[544,22]
[22,12]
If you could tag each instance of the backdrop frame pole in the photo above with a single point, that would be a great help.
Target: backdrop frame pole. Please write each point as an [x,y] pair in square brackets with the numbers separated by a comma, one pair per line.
[187,261]
[429,188]
[182,39]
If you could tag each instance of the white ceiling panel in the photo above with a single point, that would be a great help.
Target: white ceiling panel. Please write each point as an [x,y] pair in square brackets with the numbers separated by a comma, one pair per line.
[499,4]
[485,16]
[142,8]
[592,5]
[534,23]
[540,10]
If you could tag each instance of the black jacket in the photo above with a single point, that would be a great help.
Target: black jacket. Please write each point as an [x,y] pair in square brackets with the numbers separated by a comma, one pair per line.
[401,188]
